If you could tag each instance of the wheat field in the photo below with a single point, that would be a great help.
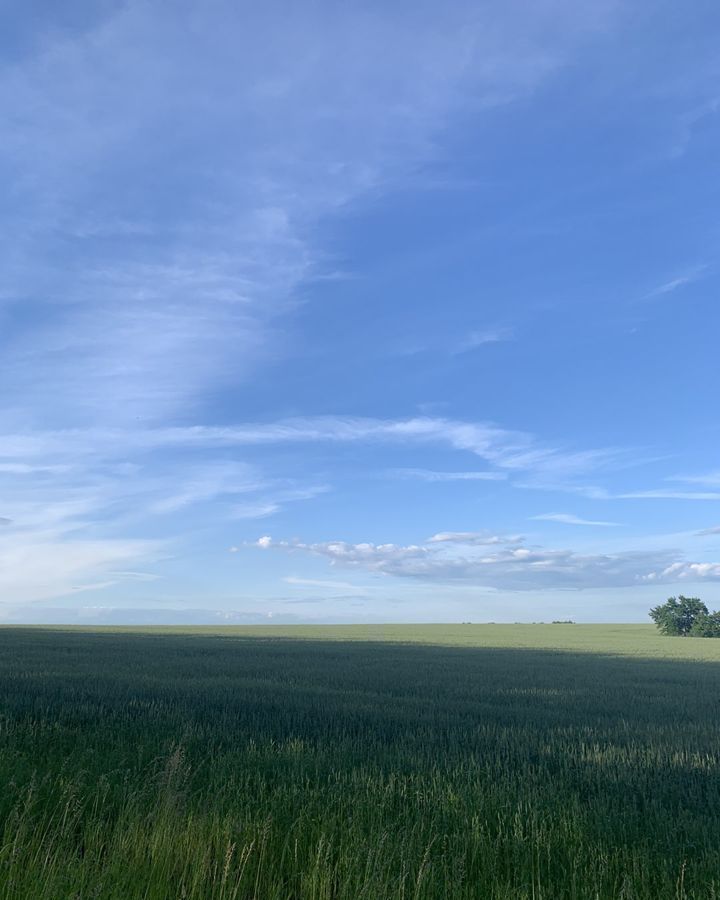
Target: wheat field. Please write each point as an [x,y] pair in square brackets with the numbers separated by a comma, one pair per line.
[513,762]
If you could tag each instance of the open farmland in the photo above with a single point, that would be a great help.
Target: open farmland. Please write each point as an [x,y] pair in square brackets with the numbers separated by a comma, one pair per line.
[377,762]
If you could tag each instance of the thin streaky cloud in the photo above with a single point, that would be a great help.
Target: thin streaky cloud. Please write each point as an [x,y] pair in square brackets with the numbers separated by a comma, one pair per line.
[442,477]
[157,301]
[474,538]
[570,519]
[707,479]
[680,281]
[506,449]
[688,123]
[315,582]
[479,338]
[661,494]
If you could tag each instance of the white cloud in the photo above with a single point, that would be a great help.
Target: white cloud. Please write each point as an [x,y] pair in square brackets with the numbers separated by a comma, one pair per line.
[475,538]
[259,510]
[275,501]
[509,452]
[570,519]
[314,582]
[36,565]
[680,281]
[479,338]
[594,492]
[708,531]
[208,481]
[682,571]
[152,260]
[505,449]
[155,255]
[432,476]
[708,479]
[78,484]
[508,568]
[18,468]
[73,481]
[662,494]
[66,528]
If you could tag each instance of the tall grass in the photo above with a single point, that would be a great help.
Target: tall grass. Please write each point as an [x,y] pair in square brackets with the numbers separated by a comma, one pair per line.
[196,766]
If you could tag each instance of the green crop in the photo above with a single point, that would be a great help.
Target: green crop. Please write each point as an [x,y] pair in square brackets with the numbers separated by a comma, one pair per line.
[513,762]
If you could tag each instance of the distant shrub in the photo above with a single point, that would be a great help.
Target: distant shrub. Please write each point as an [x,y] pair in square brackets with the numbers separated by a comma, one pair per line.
[563,622]
[686,616]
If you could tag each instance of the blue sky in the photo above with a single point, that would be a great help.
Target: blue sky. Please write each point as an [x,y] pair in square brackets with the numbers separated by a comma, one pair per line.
[358,311]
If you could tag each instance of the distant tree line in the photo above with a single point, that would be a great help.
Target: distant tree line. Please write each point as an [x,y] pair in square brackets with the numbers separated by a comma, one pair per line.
[686,616]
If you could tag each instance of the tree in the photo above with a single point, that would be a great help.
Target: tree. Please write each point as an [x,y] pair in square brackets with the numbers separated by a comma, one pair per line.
[678,614]
[706,625]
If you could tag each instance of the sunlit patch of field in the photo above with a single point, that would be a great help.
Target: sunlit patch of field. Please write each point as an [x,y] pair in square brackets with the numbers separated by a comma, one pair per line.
[559,761]
[625,640]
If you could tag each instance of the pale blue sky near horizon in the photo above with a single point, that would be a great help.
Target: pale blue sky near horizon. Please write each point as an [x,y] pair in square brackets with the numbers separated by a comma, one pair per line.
[361,312]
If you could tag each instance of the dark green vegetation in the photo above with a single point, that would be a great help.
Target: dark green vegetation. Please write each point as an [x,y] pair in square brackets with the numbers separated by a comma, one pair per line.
[686,616]
[149,765]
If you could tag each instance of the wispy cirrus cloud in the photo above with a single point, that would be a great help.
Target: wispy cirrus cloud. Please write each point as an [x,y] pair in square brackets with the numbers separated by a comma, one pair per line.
[480,337]
[36,565]
[664,494]
[570,519]
[169,185]
[595,492]
[452,345]
[321,583]
[688,122]
[68,485]
[432,476]
[707,479]
[72,480]
[474,538]
[509,451]
[154,257]
[678,282]
[274,500]
[67,528]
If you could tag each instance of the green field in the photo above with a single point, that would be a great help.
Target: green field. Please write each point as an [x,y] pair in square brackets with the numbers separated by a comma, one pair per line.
[495,761]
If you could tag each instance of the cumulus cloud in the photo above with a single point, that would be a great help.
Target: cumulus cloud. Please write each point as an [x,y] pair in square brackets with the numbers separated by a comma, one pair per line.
[683,571]
[507,568]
